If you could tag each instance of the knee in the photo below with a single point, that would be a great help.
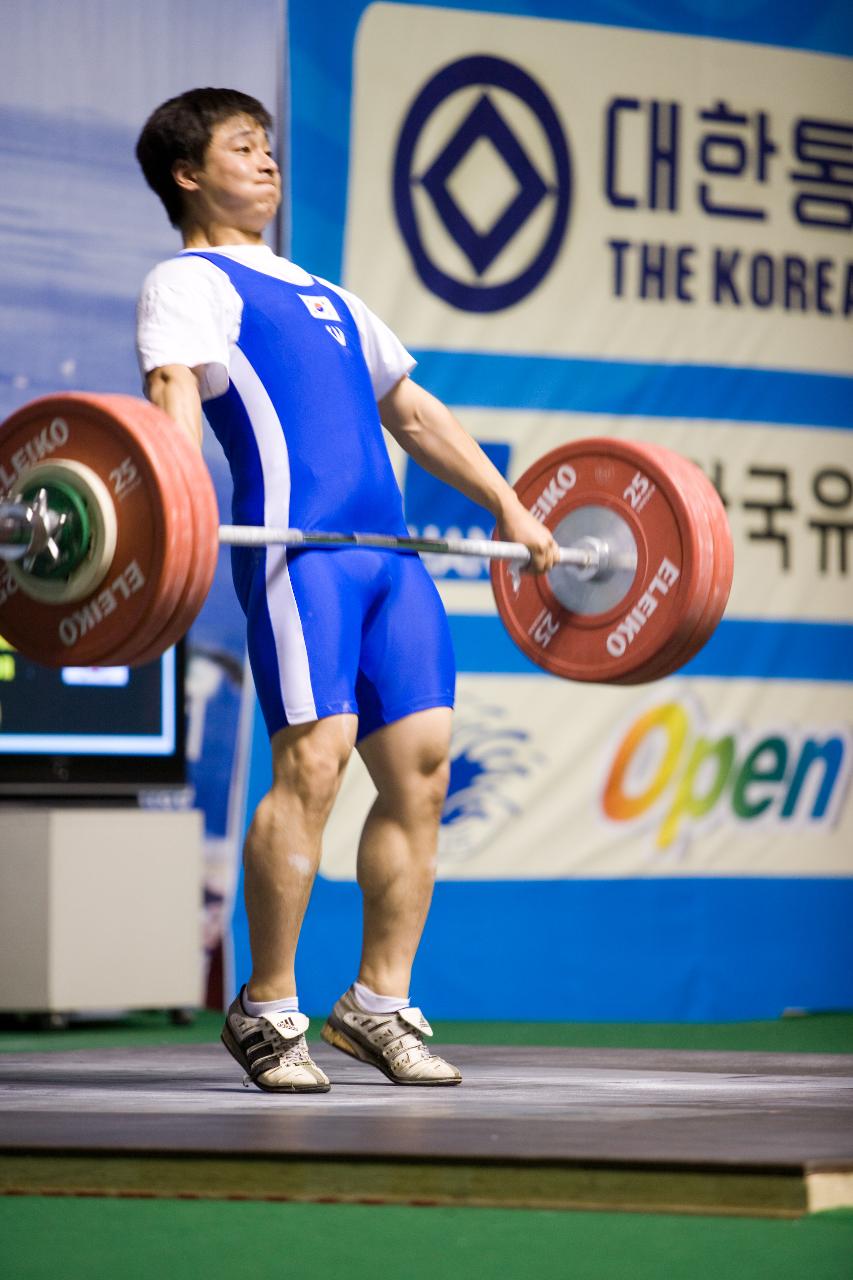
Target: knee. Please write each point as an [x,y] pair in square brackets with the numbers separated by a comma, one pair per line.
[310,775]
[428,784]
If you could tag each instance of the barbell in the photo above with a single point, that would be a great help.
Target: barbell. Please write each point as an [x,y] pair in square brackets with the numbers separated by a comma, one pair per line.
[109,537]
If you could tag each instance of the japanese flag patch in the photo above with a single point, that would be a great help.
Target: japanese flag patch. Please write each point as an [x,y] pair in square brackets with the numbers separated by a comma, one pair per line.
[319,306]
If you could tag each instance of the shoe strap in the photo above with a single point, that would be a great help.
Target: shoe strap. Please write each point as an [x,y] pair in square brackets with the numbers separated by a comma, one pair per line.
[290,1026]
[415,1019]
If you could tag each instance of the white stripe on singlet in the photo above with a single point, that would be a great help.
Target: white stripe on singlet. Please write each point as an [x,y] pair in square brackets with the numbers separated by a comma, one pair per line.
[288,637]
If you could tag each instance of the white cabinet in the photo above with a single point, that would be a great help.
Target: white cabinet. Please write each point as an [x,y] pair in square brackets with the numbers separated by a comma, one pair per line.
[100,908]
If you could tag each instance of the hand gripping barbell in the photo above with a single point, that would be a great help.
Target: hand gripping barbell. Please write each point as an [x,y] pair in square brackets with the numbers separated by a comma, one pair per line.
[109,537]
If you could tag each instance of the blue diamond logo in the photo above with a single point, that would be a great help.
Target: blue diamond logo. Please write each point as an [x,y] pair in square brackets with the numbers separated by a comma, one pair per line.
[482,248]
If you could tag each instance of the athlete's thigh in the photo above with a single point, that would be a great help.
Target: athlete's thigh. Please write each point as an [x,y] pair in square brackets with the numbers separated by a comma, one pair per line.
[407,662]
[304,613]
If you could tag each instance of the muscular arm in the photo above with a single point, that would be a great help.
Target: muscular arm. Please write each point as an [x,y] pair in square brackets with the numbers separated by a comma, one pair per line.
[174,388]
[429,433]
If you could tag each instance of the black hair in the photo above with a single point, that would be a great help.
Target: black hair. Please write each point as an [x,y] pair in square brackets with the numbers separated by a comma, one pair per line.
[181,129]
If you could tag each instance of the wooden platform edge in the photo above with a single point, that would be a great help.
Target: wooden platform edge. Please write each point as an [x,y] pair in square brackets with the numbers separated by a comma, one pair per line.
[829,1188]
[774,1192]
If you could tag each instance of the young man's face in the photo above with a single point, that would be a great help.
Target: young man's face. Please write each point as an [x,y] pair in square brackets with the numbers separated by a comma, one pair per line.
[239,184]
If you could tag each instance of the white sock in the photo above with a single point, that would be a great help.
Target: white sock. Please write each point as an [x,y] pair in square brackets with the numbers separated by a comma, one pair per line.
[370,1002]
[257,1008]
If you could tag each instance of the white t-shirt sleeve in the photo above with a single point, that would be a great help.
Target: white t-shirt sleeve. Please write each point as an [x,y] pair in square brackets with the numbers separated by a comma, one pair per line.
[387,359]
[189,313]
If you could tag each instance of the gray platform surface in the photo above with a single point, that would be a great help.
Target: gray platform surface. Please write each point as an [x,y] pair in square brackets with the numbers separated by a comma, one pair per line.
[524,1104]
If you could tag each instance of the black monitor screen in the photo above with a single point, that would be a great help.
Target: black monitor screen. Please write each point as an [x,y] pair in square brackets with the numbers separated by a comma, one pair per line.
[78,731]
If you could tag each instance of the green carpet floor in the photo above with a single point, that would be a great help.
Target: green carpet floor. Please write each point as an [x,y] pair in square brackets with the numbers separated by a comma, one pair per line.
[813,1033]
[72,1239]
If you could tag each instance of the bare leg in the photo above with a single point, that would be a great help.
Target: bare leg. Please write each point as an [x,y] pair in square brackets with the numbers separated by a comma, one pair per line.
[408,762]
[283,845]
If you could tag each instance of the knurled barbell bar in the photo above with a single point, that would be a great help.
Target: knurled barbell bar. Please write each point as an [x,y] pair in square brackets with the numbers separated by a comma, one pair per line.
[37,528]
[109,536]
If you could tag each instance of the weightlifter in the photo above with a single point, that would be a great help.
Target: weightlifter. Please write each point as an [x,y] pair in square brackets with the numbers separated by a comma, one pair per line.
[348,647]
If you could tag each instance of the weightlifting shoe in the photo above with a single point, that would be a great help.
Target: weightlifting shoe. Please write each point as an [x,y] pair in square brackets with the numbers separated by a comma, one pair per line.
[393,1042]
[272,1051]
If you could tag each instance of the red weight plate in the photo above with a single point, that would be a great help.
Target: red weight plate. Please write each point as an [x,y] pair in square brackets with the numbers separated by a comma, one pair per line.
[702,492]
[723,565]
[204,522]
[160,432]
[140,583]
[668,592]
[689,477]
[131,413]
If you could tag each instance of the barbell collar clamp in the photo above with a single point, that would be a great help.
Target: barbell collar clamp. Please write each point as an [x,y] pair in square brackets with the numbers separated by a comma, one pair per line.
[16,530]
[29,529]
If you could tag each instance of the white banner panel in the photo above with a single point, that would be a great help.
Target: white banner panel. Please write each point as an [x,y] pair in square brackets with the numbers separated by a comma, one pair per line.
[638,230]
[697,778]
[583,187]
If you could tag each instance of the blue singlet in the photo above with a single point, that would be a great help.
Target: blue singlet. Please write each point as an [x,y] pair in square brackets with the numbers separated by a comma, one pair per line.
[330,631]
